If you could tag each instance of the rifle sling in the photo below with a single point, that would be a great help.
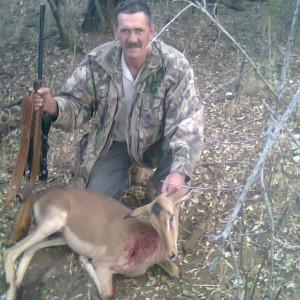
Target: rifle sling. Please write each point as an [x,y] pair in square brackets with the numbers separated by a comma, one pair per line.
[36,141]
[26,119]
[30,134]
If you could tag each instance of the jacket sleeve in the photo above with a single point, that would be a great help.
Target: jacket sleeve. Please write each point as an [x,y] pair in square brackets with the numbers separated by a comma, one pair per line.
[76,99]
[184,122]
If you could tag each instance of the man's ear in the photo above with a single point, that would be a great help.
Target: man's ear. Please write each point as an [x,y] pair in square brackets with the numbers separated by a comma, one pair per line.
[115,31]
[152,31]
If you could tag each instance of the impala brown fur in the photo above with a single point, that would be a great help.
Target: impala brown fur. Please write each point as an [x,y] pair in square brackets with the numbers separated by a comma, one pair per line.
[109,237]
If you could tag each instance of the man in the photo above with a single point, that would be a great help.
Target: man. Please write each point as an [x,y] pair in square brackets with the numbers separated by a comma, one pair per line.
[139,97]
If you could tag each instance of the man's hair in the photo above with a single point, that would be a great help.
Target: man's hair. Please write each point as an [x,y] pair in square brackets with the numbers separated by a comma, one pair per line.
[132,7]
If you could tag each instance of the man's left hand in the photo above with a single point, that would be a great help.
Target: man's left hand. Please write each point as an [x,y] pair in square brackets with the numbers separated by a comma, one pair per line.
[173,183]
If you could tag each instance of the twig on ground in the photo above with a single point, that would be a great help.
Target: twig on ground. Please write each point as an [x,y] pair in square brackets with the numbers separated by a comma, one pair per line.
[205,188]
[225,84]
[217,163]
[236,266]
[245,124]
[287,246]
[12,104]
[232,142]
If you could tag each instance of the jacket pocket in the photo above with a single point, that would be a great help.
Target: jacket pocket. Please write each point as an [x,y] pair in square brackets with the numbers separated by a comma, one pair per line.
[151,121]
[152,111]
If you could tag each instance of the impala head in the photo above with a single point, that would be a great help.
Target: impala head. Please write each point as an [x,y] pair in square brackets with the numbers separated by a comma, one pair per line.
[163,214]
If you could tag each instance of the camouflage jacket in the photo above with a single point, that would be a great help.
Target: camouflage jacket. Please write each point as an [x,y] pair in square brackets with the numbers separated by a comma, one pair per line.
[165,112]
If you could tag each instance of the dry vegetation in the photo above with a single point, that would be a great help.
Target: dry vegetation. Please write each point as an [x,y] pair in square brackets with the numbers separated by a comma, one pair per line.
[260,258]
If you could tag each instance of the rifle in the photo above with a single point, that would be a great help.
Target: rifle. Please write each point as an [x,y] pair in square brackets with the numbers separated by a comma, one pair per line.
[30,162]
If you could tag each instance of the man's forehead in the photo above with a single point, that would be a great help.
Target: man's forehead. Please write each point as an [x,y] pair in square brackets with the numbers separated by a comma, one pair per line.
[139,19]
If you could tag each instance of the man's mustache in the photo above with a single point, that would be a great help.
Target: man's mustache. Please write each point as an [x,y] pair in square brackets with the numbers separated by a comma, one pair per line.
[131,46]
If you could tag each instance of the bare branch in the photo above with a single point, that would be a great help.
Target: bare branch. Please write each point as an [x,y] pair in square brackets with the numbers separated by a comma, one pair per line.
[277,118]
[260,163]
[217,23]
[168,24]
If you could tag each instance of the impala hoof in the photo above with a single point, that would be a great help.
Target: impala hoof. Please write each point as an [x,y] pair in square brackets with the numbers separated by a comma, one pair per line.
[3,297]
[172,256]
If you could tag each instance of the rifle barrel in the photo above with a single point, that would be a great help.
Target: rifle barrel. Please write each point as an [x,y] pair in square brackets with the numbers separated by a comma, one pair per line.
[41,41]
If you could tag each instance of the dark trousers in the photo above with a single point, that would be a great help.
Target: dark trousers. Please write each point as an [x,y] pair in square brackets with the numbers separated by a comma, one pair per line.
[110,174]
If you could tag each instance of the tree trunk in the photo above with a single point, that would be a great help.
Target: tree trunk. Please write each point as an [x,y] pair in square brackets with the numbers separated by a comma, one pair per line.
[99,16]
[63,34]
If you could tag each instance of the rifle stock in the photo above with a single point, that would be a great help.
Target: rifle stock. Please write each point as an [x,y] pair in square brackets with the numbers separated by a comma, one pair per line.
[23,216]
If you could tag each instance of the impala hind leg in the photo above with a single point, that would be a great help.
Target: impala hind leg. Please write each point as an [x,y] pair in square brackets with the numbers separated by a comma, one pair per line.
[11,254]
[29,253]
[102,276]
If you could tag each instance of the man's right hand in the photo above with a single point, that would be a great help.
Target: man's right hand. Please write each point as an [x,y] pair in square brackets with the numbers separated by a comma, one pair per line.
[43,99]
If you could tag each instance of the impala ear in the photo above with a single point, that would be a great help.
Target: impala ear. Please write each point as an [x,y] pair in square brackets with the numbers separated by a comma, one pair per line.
[180,195]
[139,212]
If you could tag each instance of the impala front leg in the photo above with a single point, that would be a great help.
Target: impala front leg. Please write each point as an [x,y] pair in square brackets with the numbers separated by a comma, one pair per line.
[170,268]
[102,276]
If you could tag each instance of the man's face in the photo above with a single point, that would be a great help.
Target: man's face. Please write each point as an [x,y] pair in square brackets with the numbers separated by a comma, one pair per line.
[134,34]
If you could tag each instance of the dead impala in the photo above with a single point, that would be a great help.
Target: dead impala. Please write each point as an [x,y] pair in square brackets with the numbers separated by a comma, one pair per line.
[109,237]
